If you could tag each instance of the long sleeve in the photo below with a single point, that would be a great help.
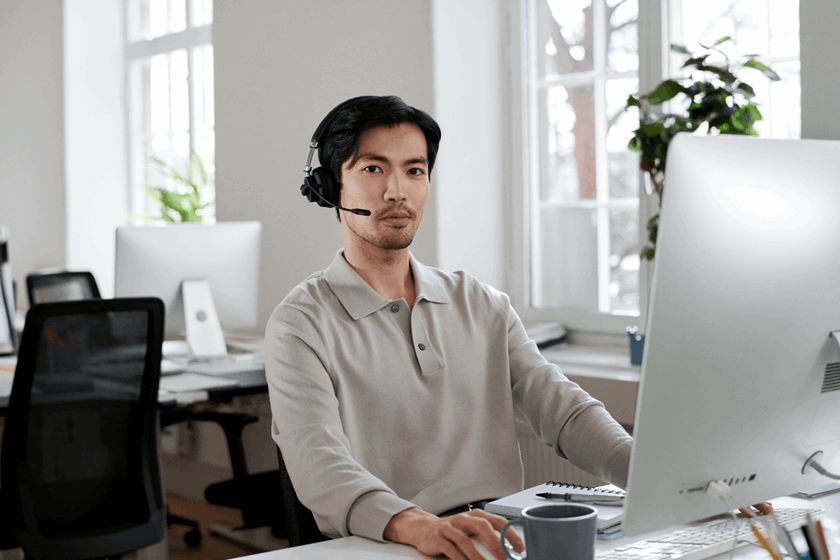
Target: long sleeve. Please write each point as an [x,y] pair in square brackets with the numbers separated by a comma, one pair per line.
[307,427]
[562,414]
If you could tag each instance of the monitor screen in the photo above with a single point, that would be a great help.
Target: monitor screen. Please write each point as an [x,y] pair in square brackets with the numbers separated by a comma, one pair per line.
[155,260]
[740,368]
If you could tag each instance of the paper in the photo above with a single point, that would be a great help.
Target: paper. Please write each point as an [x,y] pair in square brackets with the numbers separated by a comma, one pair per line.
[182,382]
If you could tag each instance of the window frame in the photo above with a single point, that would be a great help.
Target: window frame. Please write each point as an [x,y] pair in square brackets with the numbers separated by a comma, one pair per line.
[192,37]
[522,129]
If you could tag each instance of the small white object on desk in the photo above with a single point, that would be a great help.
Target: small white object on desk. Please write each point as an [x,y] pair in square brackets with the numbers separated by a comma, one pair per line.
[183,382]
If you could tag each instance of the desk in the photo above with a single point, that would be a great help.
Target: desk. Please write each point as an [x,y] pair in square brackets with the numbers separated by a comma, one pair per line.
[250,382]
[359,548]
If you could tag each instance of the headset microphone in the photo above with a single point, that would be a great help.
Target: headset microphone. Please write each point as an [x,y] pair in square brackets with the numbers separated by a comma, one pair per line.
[307,191]
[318,184]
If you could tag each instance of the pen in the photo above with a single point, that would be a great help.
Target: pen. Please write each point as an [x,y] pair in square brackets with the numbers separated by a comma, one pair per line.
[571,497]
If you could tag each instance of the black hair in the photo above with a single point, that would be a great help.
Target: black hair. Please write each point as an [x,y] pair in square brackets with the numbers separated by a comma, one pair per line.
[340,140]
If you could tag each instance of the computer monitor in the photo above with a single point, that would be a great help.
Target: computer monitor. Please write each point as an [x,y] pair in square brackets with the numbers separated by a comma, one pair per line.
[740,379]
[211,271]
[8,335]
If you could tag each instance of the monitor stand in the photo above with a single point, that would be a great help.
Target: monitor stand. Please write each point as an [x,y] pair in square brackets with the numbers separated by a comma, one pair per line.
[204,332]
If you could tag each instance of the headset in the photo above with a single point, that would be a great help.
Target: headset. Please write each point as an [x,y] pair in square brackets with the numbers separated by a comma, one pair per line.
[318,185]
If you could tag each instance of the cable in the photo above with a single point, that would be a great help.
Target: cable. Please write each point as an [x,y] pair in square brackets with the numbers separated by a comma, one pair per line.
[720,491]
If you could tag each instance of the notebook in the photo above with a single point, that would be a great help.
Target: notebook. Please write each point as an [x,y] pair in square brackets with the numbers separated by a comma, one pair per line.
[609,517]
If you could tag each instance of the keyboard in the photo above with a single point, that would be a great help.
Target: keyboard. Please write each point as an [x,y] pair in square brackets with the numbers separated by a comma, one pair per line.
[696,542]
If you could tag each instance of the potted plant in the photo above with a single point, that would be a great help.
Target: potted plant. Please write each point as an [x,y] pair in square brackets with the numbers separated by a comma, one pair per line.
[715,100]
[189,202]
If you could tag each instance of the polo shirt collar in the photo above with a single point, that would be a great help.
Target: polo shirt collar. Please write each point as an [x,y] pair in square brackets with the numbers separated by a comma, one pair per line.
[360,300]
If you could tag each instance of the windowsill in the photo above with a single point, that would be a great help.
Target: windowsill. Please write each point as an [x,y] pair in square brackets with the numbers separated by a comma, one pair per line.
[602,368]
[592,359]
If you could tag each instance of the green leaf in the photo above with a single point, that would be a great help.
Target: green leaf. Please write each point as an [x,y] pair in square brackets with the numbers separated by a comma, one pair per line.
[665,91]
[763,68]
[632,101]
[746,88]
[648,253]
[202,171]
[676,47]
[723,73]
[694,61]
[721,40]
[652,128]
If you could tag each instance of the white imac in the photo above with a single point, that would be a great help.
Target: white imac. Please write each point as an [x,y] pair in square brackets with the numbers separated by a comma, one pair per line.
[206,275]
[740,379]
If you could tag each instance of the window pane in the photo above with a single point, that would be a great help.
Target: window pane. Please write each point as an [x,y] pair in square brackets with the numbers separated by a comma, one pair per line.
[623,164]
[177,15]
[622,35]
[148,19]
[768,28]
[180,91]
[203,84]
[158,19]
[568,170]
[567,272]
[565,36]
[624,261]
[202,12]
[159,94]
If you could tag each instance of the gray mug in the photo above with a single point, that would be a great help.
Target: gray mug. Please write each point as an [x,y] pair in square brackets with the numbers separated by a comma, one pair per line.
[556,531]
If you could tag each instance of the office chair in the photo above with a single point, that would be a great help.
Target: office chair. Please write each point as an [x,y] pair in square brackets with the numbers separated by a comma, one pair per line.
[300,523]
[43,287]
[79,474]
[244,491]
[47,286]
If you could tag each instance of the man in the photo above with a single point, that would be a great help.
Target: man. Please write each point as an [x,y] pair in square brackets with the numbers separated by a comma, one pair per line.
[395,387]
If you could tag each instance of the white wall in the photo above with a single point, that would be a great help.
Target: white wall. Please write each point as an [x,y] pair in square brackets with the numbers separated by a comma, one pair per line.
[280,67]
[96,175]
[32,196]
[820,56]
[469,176]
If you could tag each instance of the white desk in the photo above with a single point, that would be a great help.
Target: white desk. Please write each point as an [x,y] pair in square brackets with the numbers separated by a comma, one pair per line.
[359,548]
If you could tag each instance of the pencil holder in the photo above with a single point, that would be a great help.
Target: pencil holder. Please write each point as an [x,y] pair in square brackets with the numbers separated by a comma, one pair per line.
[637,345]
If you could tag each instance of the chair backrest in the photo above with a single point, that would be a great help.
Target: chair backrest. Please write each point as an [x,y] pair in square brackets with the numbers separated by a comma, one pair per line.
[300,522]
[43,287]
[79,456]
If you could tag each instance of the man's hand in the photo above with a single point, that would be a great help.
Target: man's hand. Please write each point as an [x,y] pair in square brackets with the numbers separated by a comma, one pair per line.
[451,536]
[764,507]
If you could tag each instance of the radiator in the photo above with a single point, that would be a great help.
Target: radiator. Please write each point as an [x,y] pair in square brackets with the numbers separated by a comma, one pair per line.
[542,464]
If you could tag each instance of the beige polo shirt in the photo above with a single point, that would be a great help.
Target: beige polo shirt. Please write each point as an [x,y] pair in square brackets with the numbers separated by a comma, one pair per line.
[378,407]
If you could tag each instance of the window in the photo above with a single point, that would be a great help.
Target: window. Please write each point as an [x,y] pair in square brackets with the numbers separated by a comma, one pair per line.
[769,28]
[170,91]
[583,225]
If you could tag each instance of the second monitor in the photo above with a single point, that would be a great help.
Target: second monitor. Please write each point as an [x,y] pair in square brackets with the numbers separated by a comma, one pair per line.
[206,275]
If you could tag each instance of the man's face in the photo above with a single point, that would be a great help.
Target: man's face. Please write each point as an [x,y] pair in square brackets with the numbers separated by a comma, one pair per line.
[391,179]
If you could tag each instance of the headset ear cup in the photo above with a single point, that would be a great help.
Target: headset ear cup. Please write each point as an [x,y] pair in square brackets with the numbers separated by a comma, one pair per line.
[319,181]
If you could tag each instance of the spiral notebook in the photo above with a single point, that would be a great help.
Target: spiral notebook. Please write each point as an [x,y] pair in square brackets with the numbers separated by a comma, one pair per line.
[609,517]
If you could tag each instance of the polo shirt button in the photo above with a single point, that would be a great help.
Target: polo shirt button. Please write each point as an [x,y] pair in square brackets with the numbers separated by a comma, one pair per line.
[395,308]
[421,346]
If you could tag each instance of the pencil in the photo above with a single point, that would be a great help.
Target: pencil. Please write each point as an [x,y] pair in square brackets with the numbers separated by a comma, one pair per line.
[821,536]
[763,542]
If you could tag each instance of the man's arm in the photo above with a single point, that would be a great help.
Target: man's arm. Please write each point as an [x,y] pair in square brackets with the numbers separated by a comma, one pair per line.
[562,414]
[307,426]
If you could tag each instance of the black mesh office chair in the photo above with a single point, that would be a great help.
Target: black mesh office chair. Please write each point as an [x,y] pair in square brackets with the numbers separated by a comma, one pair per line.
[300,523]
[51,286]
[43,287]
[79,474]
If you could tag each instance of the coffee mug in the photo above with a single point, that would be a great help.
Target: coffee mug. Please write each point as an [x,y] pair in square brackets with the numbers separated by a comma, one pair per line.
[556,531]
